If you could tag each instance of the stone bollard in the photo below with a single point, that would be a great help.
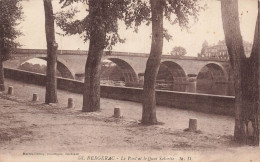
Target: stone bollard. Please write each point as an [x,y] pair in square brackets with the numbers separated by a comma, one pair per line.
[193,125]
[70,103]
[250,129]
[2,87]
[35,97]
[10,90]
[117,113]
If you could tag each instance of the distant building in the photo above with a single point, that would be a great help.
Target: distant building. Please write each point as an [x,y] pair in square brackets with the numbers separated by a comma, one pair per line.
[219,51]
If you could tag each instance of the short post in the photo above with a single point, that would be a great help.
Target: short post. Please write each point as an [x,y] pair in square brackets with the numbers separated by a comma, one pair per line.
[117,113]
[250,129]
[2,87]
[193,125]
[35,97]
[10,90]
[70,103]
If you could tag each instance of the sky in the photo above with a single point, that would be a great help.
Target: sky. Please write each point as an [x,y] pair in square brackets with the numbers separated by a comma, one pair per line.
[208,27]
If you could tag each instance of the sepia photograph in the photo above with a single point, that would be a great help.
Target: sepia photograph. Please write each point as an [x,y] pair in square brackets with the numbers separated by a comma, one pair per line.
[129,80]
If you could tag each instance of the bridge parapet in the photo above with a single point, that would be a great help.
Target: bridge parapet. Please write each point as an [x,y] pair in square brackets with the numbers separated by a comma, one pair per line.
[116,53]
[44,51]
[113,53]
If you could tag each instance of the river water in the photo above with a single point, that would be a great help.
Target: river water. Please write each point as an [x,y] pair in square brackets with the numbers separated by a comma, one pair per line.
[199,86]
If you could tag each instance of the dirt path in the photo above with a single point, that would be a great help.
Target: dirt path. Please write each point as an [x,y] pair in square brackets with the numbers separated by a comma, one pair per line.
[34,128]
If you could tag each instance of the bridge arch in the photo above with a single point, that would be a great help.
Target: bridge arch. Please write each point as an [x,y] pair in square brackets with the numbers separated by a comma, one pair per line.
[62,67]
[213,71]
[171,71]
[129,74]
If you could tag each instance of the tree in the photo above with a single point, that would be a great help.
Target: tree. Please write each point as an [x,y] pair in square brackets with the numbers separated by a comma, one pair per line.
[102,21]
[205,44]
[52,46]
[100,27]
[153,63]
[178,51]
[246,73]
[10,14]
[175,11]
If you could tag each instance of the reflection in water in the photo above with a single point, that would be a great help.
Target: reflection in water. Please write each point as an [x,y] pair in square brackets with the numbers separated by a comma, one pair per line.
[200,86]
[210,87]
[111,74]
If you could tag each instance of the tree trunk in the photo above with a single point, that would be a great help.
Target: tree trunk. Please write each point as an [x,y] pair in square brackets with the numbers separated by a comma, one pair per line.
[2,54]
[246,76]
[91,94]
[153,63]
[51,82]
[2,86]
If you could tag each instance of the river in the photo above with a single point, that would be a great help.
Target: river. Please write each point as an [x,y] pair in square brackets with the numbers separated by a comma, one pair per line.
[199,86]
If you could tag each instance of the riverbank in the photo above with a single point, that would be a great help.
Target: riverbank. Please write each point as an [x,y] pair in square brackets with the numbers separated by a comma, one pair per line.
[33,131]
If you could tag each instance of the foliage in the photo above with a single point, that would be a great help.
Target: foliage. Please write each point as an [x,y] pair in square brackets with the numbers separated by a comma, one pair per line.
[175,11]
[205,44]
[37,68]
[132,12]
[178,51]
[112,12]
[10,14]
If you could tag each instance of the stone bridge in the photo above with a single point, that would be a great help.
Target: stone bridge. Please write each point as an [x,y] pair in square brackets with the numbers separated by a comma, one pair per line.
[132,65]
